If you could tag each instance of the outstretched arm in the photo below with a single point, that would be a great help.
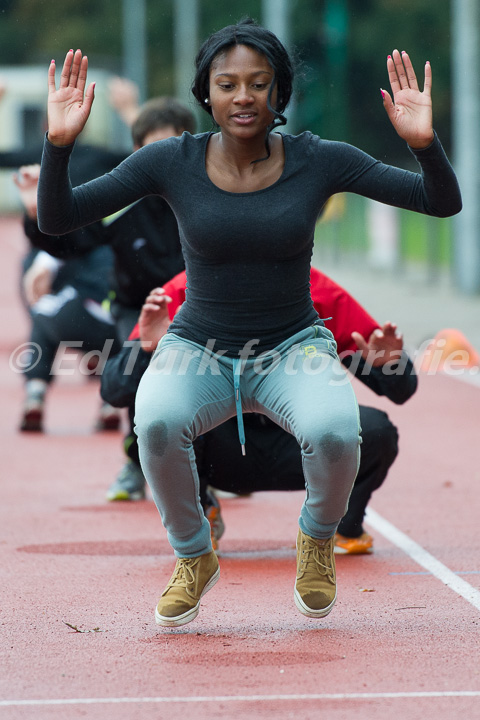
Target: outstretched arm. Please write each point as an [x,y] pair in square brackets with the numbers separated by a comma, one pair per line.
[70,105]
[123,96]
[384,345]
[26,181]
[384,366]
[123,372]
[410,111]
[154,319]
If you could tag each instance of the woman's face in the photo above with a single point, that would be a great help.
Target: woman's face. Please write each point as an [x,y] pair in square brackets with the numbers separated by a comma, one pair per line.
[240,80]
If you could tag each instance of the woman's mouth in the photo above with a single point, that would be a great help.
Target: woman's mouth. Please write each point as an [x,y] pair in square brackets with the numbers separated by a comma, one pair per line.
[244,118]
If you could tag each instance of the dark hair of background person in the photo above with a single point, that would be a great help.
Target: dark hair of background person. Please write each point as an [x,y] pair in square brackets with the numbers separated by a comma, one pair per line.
[161,112]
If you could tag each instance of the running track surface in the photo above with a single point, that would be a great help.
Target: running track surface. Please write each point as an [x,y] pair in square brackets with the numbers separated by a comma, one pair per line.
[80,577]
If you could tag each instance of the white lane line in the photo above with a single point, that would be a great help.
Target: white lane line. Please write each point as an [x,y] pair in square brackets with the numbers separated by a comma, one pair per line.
[424,572]
[423,558]
[246,698]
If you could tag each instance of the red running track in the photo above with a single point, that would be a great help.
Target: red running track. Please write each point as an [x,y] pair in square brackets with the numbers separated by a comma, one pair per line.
[402,641]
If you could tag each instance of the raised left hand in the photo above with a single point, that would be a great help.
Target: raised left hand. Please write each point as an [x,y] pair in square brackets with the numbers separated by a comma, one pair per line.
[26,181]
[37,282]
[154,319]
[384,345]
[410,112]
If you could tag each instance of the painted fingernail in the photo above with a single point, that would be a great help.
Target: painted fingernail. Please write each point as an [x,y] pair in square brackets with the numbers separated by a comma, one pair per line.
[383,94]
[389,57]
[52,61]
[404,52]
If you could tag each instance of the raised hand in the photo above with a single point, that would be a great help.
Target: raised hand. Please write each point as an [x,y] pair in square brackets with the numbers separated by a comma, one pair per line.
[38,280]
[70,105]
[123,96]
[410,112]
[384,345]
[26,181]
[154,319]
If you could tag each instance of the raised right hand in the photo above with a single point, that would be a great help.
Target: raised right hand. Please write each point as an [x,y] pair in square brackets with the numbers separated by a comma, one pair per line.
[123,96]
[70,105]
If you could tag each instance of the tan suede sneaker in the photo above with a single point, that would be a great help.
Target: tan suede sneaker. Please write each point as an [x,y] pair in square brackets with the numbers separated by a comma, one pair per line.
[315,587]
[192,578]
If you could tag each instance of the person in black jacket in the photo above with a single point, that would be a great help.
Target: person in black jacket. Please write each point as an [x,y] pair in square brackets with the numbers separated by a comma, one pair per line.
[64,300]
[145,241]
[81,276]
[273,461]
[146,247]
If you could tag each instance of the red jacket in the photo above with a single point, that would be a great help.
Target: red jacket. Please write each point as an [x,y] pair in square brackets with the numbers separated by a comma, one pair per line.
[330,301]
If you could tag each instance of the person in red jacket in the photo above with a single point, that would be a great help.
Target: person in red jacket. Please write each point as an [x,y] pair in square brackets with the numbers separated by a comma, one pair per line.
[374,354]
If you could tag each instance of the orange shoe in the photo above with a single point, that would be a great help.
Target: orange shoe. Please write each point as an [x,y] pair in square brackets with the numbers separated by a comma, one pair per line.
[214,517]
[362,545]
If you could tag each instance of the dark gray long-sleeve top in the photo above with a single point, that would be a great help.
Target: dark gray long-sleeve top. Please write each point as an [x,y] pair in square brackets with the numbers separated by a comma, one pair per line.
[247,255]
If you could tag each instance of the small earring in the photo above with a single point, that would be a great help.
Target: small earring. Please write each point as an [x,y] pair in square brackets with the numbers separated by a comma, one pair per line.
[206,101]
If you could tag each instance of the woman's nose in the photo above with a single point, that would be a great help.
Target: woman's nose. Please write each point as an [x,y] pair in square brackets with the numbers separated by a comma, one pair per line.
[243,96]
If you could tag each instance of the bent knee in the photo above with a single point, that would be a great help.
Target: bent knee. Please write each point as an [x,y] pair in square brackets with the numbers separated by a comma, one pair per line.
[154,436]
[158,432]
[336,446]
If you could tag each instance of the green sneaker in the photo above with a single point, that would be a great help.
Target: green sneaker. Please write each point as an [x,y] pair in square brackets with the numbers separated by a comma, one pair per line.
[191,579]
[315,587]
[129,484]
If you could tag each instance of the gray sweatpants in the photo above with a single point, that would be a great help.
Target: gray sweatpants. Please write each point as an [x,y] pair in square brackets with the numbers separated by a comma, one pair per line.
[301,385]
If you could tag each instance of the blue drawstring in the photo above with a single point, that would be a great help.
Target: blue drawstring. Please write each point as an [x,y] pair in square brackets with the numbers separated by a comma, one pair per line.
[238,403]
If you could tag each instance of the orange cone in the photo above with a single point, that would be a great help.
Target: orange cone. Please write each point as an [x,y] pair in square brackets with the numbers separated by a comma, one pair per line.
[449,349]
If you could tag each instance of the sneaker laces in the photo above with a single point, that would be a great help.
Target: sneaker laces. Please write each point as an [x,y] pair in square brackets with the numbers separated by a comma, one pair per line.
[313,553]
[183,575]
